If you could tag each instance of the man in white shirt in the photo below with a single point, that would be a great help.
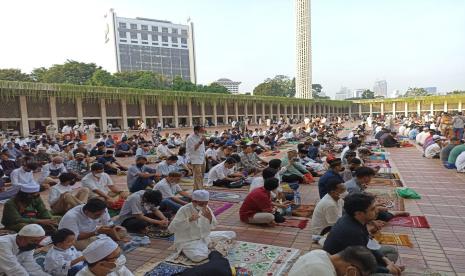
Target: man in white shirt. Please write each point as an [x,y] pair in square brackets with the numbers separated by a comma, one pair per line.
[101,185]
[51,171]
[17,252]
[104,258]
[195,149]
[223,173]
[192,227]
[329,209]
[212,155]
[167,166]
[354,260]
[173,195]
[162,150]
[24,174]
[89,220]
[64,196]
[433,150]
[421,137]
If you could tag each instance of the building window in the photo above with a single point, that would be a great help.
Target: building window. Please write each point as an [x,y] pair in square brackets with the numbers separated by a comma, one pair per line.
[166,45]
[145,42]
[144,36]
[164,38]
[122,34]
[144,27]
[183,46]
[134,41]
[164,30]
[123,40]
[154,37]
[174,40]
[183,40]
[174,31]
[154,43]
[184,32]
[122,25]
[133,35]
[134,26]
[154,29]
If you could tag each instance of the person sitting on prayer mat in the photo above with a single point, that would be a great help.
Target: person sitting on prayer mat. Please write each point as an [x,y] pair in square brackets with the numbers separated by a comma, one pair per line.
[140,210]
[434,150]
[352,230]
[329,209]
[168,165]
[17,252]
[335,168]
[217,266]
[101,185]
[63,196]
[25,174]
[27,207]
[257,207]
[140,176]
[445,152]
[223,174]
[353,164]
[454,153]
[63,259]
[89,220]
[51,172]
[173,195]
[390,140]
[354,260]
[111,166]
[104,257]
[295,171]
[192,227]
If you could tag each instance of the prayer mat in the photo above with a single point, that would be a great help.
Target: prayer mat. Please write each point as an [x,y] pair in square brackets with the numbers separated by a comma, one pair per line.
[377,157]
[159,234]
[387,196]
[378,161]
[393,239]
[244,188]
[219,207]
[294,222]
[166,269]
[411,221]
[222,246]
[263,259]
[305,211]
[387,176]
[226,196]
[382,182]
[380,165]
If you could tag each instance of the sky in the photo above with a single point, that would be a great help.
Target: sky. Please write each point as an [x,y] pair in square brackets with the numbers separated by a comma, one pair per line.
[408,43]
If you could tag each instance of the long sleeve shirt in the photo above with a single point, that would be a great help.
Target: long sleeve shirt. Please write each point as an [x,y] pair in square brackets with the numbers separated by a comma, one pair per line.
[14,262]
[58,262]
[196,156]
[35,210]
[21,177]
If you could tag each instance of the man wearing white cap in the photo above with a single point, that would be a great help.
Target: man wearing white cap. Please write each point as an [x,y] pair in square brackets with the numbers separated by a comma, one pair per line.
[17,250]
[192,227]
[104,258]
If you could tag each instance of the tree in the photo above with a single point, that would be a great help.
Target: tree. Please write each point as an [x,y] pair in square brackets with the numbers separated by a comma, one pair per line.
[415,92]
[104,78]
[71,71]
[143,79]
[317,90]
[456,92]
[280,85]
[368,94]
[14,75]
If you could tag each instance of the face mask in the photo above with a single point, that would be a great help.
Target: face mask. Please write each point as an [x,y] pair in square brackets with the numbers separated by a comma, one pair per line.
[344,194]
[120,262]
[139,165]
[28,247]
[98,175]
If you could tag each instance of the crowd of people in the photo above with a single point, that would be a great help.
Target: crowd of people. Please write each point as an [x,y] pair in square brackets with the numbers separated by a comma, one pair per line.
[83,199]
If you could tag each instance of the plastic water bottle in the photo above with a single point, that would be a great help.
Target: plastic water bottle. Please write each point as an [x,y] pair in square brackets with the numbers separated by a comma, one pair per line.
[297,198]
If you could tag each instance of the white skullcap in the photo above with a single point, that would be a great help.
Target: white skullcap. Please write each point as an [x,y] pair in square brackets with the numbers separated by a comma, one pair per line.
[41,148]
[30,188]
[436,137]
[99,249]
[32,230]
[201,195]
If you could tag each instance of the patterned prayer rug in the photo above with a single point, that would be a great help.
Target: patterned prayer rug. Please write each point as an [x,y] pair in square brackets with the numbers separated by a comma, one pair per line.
[166,269]
[387,176]
[295,222]
[263,259]
[411,221]
[378,157]
[219,207]
[386,182]
[304,210]
[393,239]
[381,165]
[388,196]
[226,196]
[222,246]
[160,234]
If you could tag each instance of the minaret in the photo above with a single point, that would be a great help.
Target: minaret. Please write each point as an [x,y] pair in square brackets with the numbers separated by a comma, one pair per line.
[303,79]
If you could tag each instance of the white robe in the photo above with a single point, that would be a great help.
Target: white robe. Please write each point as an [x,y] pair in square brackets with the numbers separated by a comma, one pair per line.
[13,262]
[193,238]
[124,271]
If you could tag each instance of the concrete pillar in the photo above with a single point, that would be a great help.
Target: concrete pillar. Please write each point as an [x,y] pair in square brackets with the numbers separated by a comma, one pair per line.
[406,109]
[278,108]
[431,107]
[226,114]
[371,109]
[255,119]
[79,112]
[350,111]
[215,115]
[460,106]
[394,108]
[53,110]
[360,109]
[246,110]
[292,111]
[190,120]
[419,108]
[160,111]
[263,112]
[236,110]
[202,112]
[24,116]
[176,113]
[445,106]
[103,115]
[143,115]
[124,114]
[298,111]
[382,108]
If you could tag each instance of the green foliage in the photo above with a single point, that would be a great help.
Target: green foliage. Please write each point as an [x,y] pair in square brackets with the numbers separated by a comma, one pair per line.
[14,75]
[415,92]
[456,92]
[368,94]
[104,78]
[71,72]
[316,90]
[280,86]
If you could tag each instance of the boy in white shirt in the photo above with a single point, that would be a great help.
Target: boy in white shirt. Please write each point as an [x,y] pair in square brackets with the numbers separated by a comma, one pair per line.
[63,258]
[63,196]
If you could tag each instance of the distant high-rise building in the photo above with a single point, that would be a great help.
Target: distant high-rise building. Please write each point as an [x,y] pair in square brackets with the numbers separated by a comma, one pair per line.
[358,92]
[431,90]
[343,93]
[380,88]
[303,79]
[232,86]
[142,44]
